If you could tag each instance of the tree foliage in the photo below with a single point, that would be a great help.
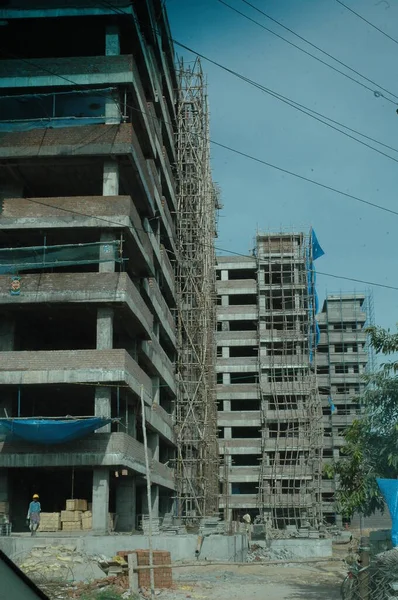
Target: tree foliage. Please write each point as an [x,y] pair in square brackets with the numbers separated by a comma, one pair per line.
[371,442]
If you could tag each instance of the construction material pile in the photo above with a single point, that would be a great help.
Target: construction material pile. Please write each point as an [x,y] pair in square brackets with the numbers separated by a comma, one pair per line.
[60,563]
[77,516]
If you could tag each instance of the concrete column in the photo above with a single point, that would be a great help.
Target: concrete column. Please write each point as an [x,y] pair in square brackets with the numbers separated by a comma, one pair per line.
[103,405]
[156,390]
[153,444]
[224,300]
[131,422]
[100,501]
[224,275]
[112,48]
[104,328]
[112,40]
[126,503]
[227,405]
[226,378]
[154,500]
[110,178]
[227,433]
[225,352]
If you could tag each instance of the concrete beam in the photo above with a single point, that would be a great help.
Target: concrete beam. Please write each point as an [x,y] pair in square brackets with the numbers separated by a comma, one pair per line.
[111,450]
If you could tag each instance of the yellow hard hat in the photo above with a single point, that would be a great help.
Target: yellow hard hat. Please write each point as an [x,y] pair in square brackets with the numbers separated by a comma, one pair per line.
[35,496]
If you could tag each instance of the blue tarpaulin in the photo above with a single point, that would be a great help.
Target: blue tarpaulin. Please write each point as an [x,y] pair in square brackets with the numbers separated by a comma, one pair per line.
[389,489]
[51,431]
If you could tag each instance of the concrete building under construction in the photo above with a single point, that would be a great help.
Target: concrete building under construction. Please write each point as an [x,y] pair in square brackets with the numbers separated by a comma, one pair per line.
[270,414]
[343,357]
[98,173]
[283,400]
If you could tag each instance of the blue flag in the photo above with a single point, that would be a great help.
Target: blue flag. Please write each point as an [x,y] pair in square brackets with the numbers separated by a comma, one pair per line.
[317,251]
[333,409]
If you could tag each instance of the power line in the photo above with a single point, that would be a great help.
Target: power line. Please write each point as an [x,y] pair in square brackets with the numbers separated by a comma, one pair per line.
[266,163]
[75,212]
[303,178]
[313,56]
[368,22]
[372,283]
[317,47]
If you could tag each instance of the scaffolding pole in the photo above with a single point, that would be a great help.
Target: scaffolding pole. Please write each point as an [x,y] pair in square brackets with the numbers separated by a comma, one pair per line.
[196,409]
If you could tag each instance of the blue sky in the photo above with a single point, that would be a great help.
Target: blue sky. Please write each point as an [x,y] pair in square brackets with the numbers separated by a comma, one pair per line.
[359,241]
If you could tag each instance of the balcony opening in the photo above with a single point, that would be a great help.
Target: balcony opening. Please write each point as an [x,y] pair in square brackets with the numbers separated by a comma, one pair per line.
[245,460]
[51,38]
[55,328]
[240,274]
[245,433]
[242,300]
[244,488]
[245,405]
[242,351]
[243,325]
[238,378]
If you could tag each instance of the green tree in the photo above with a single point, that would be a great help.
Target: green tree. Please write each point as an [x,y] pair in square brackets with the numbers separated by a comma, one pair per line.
[371,448]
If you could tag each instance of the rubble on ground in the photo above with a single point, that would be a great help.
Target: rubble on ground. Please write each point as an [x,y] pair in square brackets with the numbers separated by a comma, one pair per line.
[60,563]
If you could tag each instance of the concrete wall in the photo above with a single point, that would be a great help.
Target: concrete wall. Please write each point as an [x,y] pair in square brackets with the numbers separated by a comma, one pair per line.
[182,547]
[301,548]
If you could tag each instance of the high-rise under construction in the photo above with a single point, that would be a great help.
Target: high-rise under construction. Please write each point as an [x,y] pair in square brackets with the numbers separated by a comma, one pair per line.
[288,380]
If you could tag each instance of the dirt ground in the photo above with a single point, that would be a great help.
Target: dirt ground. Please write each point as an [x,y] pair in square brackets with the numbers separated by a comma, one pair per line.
[319,581]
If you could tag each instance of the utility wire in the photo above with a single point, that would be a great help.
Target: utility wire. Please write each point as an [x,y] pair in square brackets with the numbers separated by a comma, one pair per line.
[266,163]
[315,57]
[78,213]
[372,283]
[258,160]
[316,47]
[368,22]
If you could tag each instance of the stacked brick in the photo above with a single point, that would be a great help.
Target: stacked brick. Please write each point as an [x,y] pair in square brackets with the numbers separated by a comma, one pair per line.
[163,576]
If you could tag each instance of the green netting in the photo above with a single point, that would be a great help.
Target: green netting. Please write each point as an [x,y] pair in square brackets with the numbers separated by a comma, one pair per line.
[13,260]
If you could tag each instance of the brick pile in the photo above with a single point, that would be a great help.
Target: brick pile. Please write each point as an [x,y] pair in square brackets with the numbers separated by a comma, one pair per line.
[163,576]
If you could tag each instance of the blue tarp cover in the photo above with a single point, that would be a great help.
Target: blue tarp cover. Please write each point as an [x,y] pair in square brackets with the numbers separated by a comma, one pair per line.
[389,489]
[51,431]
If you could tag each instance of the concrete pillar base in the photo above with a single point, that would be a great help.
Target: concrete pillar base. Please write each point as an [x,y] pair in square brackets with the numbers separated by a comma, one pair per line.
[101,501]
[126,504]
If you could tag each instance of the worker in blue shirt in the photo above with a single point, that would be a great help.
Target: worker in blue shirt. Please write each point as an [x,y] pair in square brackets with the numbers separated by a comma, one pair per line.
[33,517]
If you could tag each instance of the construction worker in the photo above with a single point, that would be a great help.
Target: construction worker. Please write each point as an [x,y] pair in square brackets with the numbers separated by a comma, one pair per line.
[33,517]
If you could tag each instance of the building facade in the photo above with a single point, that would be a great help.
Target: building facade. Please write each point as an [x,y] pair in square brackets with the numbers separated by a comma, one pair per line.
[343,357]
[87,229]
[270,416]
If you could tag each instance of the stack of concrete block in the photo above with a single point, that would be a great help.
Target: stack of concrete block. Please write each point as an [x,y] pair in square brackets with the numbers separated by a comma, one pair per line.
[50,521]
[155,525]
[72,505]
[71,520]
[87,520]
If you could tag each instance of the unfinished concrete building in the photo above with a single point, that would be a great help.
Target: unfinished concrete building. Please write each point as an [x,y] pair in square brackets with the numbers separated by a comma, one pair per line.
[343,356]
[87,227]
[269,411]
